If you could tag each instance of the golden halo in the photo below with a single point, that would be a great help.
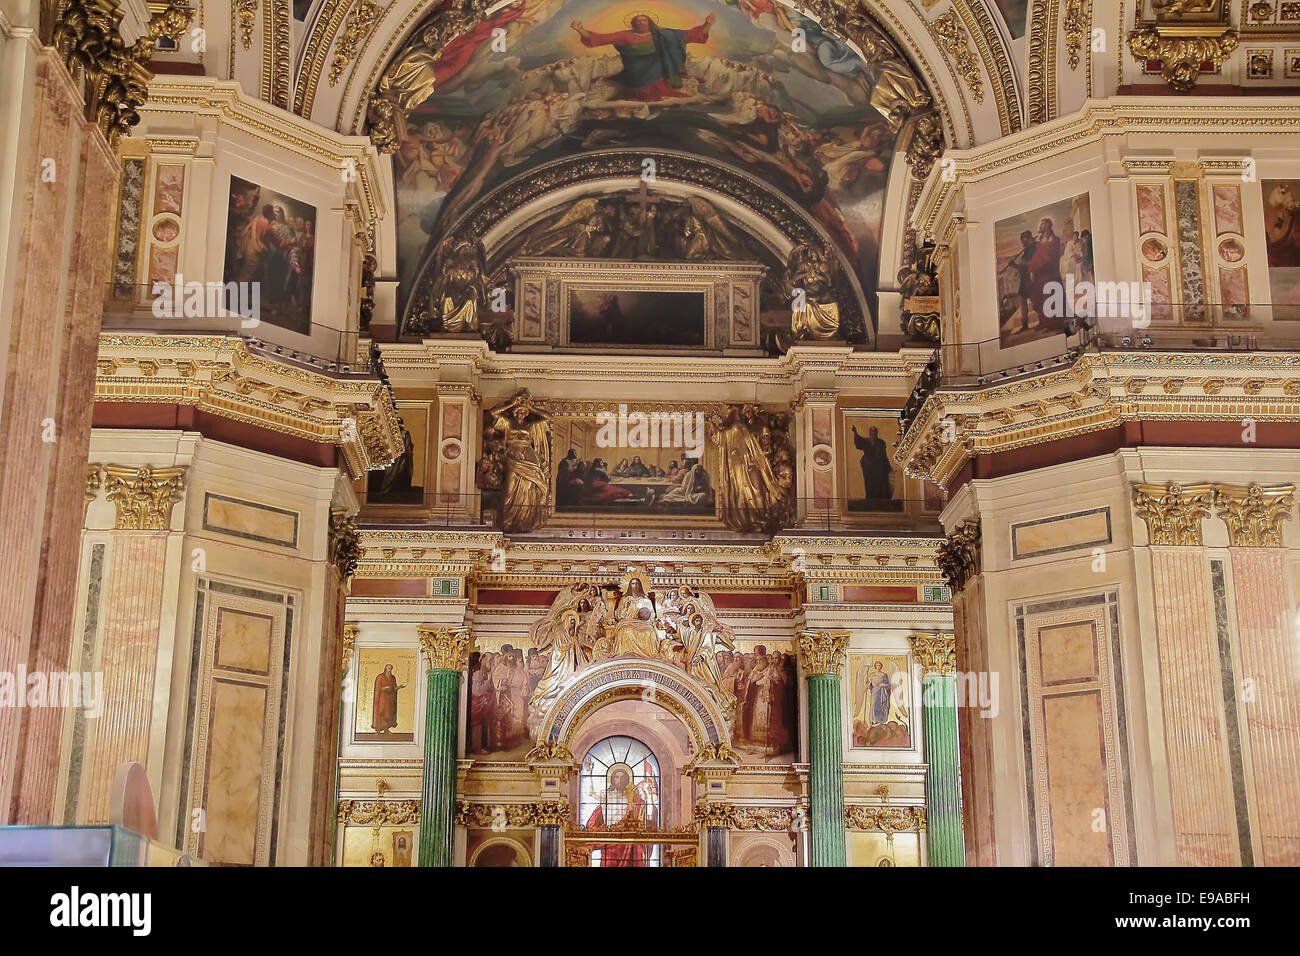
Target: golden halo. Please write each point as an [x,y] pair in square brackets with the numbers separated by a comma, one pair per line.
[609,774]
[627,20]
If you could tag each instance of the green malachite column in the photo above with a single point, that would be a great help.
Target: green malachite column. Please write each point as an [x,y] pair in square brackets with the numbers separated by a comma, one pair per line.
[446,651]
[822,654]
[936,654]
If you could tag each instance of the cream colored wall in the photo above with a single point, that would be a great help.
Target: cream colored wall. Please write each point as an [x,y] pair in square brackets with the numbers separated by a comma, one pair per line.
[1123,566]
[299,572]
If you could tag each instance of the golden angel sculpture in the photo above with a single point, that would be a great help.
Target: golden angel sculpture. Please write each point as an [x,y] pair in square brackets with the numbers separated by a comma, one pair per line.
[516,464]
[589,623]
[755,475]
[810,284]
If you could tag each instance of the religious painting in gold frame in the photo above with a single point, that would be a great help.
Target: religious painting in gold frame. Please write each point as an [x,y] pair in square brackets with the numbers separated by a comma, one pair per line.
[386,695]
[882,713]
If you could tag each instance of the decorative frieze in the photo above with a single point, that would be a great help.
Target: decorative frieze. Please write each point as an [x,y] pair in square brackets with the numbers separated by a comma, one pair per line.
[822,652]
[959,557]
[379,813]
[889,820]
[729,816]
[513,816]
[143,496]
[1173,512]
[1253,513]
[936,653]
[445,648]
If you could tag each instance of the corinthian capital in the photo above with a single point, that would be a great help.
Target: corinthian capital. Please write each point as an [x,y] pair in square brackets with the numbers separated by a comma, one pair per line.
[1253,513]
[822,652]
[445,648]
[143,496]
[1173,512]
[936,653]
[959,556]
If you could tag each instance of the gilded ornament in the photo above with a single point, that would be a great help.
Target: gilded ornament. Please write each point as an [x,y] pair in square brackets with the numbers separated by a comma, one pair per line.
[377,813]
[890,820]
[951,36]
[822,652]
[94,481]
[350,632]
[1254,513]
[445,648]
[246,12]
[344,543]
[1073,23]
[959,557]
[1181,57]
[936,653]
[360,21]
[1173,512]
[143,496]
[514,471]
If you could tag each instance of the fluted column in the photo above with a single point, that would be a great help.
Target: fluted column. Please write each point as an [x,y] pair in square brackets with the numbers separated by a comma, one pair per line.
[822,654]
[936,654]
[446,650]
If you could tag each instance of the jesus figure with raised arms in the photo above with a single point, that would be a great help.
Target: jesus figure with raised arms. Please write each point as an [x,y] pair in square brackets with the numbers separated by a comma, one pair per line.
[654,57]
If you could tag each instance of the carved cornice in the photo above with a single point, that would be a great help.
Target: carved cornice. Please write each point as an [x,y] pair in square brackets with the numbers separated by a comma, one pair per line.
[1098,390]
[1254,513]
[221,375]
[1173,512]
[959,558]
[936,653]
[143,496]
[379,813]
[445,648]
[885,819]
[822,652]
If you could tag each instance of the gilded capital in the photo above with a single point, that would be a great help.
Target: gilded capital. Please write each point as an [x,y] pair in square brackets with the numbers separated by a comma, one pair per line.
[1173,512]
[548,752]
[1253,513]
[551,813]
[344,543]
[445,648]
[143,496]
[959,556]
[94,481]
[709,815]
[822,652]
[936,653]
[350,632]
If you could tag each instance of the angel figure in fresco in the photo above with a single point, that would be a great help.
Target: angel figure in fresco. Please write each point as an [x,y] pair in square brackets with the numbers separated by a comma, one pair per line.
[584,230]
[654,57]
[879,715]
[526,431]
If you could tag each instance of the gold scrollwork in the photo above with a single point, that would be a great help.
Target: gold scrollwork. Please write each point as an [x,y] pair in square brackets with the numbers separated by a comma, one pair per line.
[887,819]
[356,28]
[1254,513]
[822,652]
[445,648]
[143,496]
[936,653]
[951,36]
[1173,512]
[377,813]
[959,556]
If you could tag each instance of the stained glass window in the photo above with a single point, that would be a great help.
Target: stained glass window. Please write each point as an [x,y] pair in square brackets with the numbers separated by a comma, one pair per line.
[620,791]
